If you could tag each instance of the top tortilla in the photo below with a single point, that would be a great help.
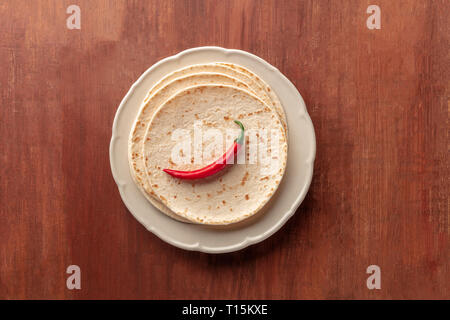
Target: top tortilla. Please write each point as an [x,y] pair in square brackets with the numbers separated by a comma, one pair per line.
[237,192]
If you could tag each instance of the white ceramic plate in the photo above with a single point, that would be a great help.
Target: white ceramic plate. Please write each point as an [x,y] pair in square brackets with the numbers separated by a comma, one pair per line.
[291,192]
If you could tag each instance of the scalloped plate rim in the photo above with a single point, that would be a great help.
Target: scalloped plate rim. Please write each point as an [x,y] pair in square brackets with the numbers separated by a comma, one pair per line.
[247,240]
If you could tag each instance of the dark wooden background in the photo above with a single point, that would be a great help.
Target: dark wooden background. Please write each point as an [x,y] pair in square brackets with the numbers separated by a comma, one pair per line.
[379,101]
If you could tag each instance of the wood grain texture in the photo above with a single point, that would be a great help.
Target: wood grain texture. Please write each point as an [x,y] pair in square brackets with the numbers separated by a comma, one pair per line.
[379,101]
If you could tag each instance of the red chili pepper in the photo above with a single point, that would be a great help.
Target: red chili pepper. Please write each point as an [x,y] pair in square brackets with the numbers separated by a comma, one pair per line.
[214,167]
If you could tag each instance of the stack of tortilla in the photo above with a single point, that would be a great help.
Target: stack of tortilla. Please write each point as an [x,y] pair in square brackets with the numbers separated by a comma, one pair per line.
[213,96]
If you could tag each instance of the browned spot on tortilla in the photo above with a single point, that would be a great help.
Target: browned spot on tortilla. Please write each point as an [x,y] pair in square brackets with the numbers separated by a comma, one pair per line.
[188,92]
[158,167]
[241,116]
[226,118]
[169,133]
[154,186]
[224,202]
[192,159]
[174,197]
[220,179]
[198,196]
[187,199]
[244,179]
[220,191]
[162,198]
[136,139]
[264,178]
[208,195]
[250,114]
[148,139]
[268,89]
[209,124]
[247,197]
[266,109]
[193,185]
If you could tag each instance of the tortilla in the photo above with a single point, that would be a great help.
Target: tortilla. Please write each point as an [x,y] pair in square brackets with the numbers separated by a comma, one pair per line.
[238,191]
[252,82]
